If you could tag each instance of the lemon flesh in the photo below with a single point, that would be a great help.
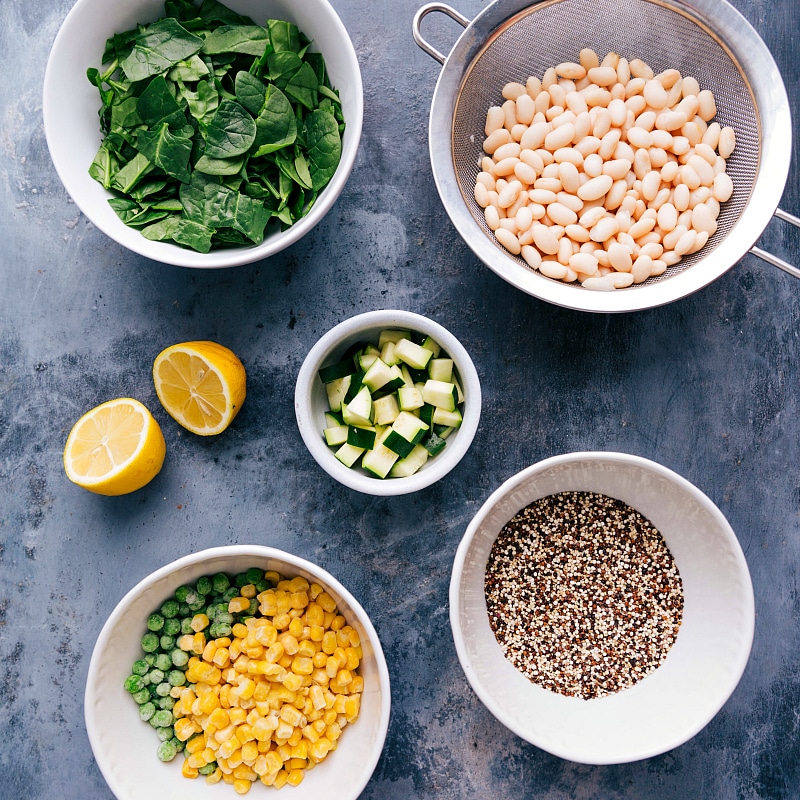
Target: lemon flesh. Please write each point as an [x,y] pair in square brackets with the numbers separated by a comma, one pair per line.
[115,448]
[202,385]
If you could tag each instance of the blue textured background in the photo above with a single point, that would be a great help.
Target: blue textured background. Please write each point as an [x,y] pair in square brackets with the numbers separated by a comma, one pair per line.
[706,386]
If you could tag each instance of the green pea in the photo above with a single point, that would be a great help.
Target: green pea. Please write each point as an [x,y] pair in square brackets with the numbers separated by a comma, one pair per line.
[204,585]
[142,696]
[166,643]
[150,659]
[163,662]
[134,683]
[163,719]
[167,703]
[172,627]
[170,609]
[207,769]
[163,689]
[182,592]
[186,625]
[140,667]
[184,611]
[263,585]
[167,751]
[155,676]
[146,711]
[165,733]
[176,677]
[150,642]
[180,658]
[220,582]
[240,580]
[229,594]
[155,622]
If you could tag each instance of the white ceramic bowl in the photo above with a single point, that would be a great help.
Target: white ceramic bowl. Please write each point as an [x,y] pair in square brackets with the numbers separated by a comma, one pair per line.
[702,668]
[71,103]
[125,748]
[311,402]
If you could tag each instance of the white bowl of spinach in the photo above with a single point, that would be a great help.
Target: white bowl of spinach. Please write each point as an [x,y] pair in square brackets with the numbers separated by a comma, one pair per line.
[202,134]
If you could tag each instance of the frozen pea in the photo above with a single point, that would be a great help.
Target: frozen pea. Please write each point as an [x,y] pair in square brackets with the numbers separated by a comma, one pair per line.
[180,658]
[155,622]
[167,703]
[220,582]
[150,642]
[254,575]
[155,676]
[167,751]
[163,718]
[204,586]
[163,689]
[146,711]
[186,625]
[134,683]
[142,696]
[163,662]
[140,667]
[172,627]
[166,643]
[176,677]
[170,609]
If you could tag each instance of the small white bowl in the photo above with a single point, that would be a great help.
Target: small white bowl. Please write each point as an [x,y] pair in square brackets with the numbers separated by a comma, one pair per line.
[71,103]
[311,401]
[125,748]
[702,668]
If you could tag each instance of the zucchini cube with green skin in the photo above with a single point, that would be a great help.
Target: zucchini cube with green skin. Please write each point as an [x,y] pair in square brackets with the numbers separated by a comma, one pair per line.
[416,356]
[366,360]
[348,454]
[336,391]
[335,435]
[441,394]
[378,375]
[385,410]
[410,464]
[380,459]
[452,419]
[409,398]
[406,431]
[441,369]
[361,437]
[339,370]
[388,354]
[358,411]
[430,344]
[391,335]
[434,444]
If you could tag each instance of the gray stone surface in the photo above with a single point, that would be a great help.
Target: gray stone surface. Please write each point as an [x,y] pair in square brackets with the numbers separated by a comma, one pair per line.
[706,386]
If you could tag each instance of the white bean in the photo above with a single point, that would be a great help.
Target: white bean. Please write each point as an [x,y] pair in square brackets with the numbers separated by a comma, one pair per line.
[571,201]
[512,90]
[595,188]
[615,196]
[727,141]
[508,150]
[667,217]
[593,165]
[723,187]
[642,268]
[577,233]
[559,137]
[639,69]
[603,230]
[604,284]
[584,263]
[492,217]
[707,108]
[619,257]
[481,195]
[532,256]
[561,215]
[544,239]
[703,219]
[552,269]
[508,240]
[655,93]
[532,159]
[639,137]
[686,242]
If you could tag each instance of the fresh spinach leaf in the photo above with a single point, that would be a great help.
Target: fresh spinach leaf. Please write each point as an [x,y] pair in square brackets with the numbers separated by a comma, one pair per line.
[303,87]
[167,150]
[324,145]
[230,131]
[158,47]
[249,39]
[275,126]
[127,177]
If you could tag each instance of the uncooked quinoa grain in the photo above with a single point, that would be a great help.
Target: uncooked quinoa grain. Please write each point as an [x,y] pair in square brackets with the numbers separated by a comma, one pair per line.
[583,594]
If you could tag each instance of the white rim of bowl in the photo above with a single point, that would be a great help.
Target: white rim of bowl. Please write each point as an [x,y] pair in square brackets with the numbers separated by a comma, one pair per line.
[168,253]
[435,468]
[595,455]
[258,551]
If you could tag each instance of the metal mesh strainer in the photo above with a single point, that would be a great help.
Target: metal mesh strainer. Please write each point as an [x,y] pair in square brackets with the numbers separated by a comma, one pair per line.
[513,39]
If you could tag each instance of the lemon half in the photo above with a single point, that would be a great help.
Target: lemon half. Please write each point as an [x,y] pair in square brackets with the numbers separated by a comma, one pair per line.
[202,385]
[115,448]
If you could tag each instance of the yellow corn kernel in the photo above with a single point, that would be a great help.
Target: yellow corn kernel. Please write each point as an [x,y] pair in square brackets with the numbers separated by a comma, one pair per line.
[246,688]
[352,659]
[285,661]
[248,591]
[198,643]
[296,627]
[238,604]
[317,697]
[289,642]
[244,772]
[244,733]
[219,718]
[228,777]
[249,752]
[214,777]
[209,755]
[175,692]
[295,777]
[202,672]
[223,765]
[195,744]
[229,747]
[315,633]
[329,717]
[281,621]
[338,622]
[302,665]
[314,614]
[291,715]
[186,642]
[344,677]
[266,634]
[300,750]
[268,603]
[292,681]
[199,622]
[332,666]
[307,648]
[338,705]
[333,732]
[196,760]
[319,749]
[221,657]
[262,728]
[237,715]
[235,759]
[357,686]
[281,779]
[310,733]
[242,785]
[352,707]
[329,642]
[185,727]
[208,652]
[240,665]
[208,703]
[239,631]
[235,649]
[189,771]
[273,761]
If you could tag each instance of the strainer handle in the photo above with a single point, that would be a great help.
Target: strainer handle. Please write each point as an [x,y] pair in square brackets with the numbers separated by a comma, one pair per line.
[423,12]
[774,260]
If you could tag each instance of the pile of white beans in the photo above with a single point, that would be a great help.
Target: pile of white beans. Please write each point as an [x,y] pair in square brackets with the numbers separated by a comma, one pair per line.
[602,172]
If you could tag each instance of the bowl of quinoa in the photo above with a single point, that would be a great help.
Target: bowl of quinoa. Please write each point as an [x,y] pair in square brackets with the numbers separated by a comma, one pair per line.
[601,607]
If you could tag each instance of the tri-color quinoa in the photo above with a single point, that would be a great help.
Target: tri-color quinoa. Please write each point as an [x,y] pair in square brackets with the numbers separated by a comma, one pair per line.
[583,594]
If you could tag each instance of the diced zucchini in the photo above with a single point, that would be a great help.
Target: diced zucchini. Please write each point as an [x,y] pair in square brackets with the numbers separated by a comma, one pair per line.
[441,369]
[434,444]
[339,370]
[335,435]
[358,411]
[366,360]
[377,375]
[332,419]
[391,335]
[353,389]
[336,391]
[407,431]
[396,381]
[410,464]
[379,461]
[407,379]
[409,398]
[361,437]
[388,354]
[385,410]
[348,454]
[430,344]
[412,354]
[452,419]
[426,413]
[440,394]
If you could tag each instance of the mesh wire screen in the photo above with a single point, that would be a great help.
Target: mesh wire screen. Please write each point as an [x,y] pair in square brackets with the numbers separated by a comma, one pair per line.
[550,33]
